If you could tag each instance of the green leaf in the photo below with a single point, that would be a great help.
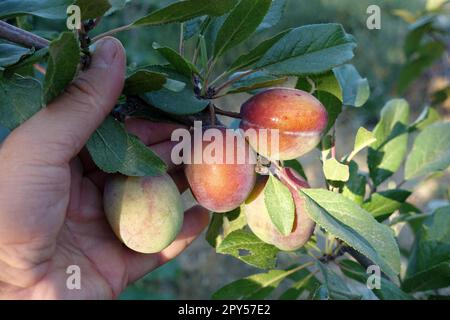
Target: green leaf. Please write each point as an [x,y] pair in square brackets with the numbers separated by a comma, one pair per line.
[280,205]
[439,97]
[430,151]
[321,293]
[257,286]
[222,224]
[20,98]
[347,221]
[325,82]
[143,81]
[203,52]
[335,286]
[180,64]
[418,64]
[325,145]
[413,40]
[388,290]
[434,4]
[355,90]
[116,5]
[305,281]
[427,117]
[254,81]
[214,232]
[256,53]
[355,188]
[92,9]
[27,61]
[3,134]
[183,102]
[233,220]
[186,10]
[273,16]
[335,171]
[297,166]
[386,155]
[192,27]
[10,54]
[114,150]
[49,9]
[240,24]
[415,220]
[364,138]
[174,85]
[344,82]
[434,277]
[382,204]
[309,49]
[429,263]
[62,65]
[332,105]
[246,247]
[213,25]
[410,214]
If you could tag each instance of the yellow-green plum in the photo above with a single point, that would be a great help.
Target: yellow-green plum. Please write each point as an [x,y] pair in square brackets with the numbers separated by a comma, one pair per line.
[145,213]
[261,224]
[296,116]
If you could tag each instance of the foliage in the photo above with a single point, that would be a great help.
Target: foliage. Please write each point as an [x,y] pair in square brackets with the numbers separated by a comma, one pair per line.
[352,209]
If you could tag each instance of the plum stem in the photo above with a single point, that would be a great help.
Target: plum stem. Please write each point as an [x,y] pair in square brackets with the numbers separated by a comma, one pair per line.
[212,114]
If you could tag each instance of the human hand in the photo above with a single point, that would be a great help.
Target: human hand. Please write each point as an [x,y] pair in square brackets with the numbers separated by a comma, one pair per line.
[51,213]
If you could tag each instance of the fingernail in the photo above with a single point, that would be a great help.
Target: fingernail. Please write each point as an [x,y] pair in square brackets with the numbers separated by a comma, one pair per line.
[105,52]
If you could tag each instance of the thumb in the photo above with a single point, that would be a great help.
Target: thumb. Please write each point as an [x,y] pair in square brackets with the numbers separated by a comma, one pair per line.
[58,132]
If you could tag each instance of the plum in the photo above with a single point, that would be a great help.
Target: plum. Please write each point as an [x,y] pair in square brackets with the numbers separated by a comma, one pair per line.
[260,223]
[222,186]
[295,118]
[145,213]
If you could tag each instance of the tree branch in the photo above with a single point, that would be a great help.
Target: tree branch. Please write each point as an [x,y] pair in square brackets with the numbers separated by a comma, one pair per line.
[361,259]
[22,37]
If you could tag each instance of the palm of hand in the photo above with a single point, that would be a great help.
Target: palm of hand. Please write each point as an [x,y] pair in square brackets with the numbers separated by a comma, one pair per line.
[86,240]
[62,224]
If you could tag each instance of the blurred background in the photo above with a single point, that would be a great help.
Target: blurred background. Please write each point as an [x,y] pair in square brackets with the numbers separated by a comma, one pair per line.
[199,272]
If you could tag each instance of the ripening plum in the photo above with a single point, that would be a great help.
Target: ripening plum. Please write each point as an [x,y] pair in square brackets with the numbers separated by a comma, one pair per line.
[223,184]
[145,213]
[297,115]
[260,223]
